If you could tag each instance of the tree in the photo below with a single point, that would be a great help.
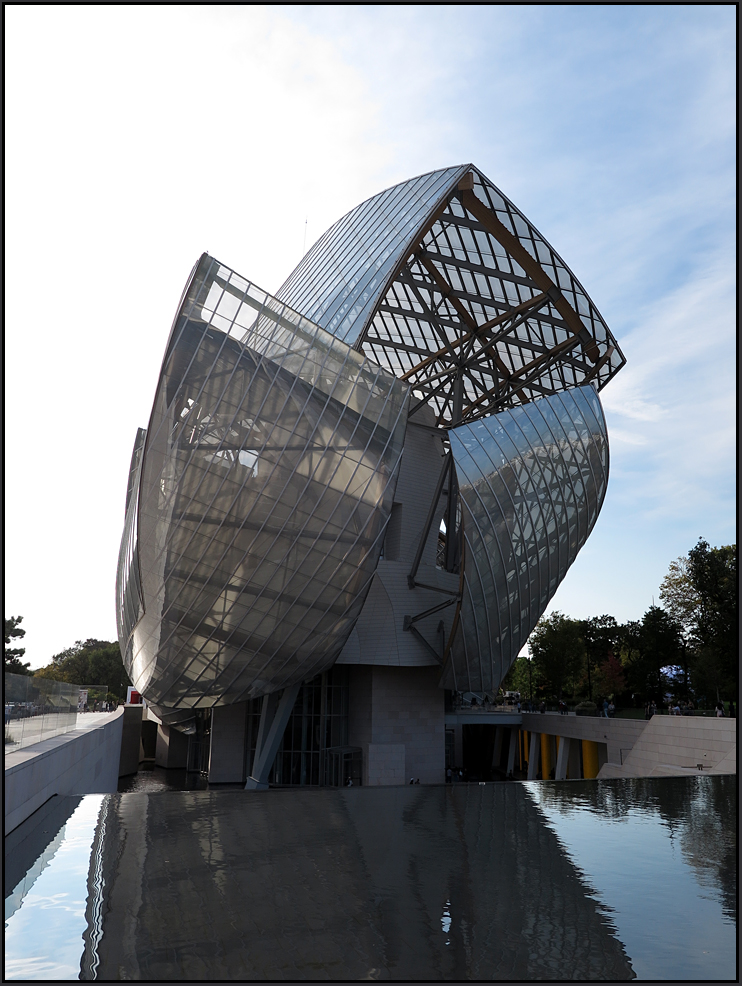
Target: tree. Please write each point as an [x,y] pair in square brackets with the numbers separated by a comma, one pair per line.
[656,646]
[12,655]
[600,635]
[610,679]
[678,595]
[558,652]
[700,593]
[713,576]
[523,677]
[94,662]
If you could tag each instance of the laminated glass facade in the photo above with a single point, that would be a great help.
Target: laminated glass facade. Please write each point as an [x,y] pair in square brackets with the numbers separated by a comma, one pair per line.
[266,481]
[261,492]
[532,481]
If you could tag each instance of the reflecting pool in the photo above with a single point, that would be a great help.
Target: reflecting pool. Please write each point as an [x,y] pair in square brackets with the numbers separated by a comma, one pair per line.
[591,880]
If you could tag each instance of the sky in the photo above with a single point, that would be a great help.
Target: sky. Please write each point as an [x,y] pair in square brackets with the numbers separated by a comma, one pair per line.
[138,136]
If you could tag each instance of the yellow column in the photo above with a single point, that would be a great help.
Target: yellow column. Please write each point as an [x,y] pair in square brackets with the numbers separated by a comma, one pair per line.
[589,758]
[525,744]
[546,756]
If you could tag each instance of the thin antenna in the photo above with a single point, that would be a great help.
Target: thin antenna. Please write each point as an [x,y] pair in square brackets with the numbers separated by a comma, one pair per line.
[304,248]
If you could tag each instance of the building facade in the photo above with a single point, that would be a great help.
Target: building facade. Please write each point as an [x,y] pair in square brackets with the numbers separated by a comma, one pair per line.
[363,491]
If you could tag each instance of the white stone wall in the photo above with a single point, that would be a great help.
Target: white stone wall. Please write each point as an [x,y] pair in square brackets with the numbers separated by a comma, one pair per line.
[677,744]
[82,761]
[386,764]
[394,709]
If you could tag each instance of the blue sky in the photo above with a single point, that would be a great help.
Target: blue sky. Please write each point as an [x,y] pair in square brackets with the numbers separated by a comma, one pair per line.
[139,136]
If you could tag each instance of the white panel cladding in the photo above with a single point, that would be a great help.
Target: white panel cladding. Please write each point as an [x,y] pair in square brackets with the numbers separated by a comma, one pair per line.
[386,764]
[378,637]
[392,707]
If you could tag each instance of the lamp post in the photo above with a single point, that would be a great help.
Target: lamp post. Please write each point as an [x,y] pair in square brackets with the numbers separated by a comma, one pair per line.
[530,689]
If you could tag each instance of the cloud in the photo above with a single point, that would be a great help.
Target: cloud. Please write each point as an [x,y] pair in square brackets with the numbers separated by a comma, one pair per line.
[139,136]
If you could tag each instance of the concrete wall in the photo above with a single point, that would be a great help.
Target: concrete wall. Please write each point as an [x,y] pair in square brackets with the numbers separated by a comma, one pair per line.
[618,735]
[82,761]
[131,740]
[227,751]
[673,745]
[396,711]
[171,751]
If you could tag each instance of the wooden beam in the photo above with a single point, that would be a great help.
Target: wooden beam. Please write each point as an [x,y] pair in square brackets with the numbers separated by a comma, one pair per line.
[447,291]
[531,266]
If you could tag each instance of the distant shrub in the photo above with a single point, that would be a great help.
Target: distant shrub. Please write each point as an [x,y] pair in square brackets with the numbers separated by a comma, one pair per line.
[586,709]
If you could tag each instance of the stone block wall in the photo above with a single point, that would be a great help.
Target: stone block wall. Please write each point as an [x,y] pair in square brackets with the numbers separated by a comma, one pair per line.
[393,709]
[386,764]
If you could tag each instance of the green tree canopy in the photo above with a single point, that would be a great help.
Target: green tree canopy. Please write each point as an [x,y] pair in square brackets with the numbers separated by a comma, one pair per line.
[656,644]
[12,655]
[558,652]
[700,593]
[523,677]
[713,577]
[678,595]
[92,662]
[601,636]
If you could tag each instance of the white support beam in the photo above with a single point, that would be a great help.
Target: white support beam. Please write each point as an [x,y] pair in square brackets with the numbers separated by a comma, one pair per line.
[562,758]
[274,717]
[533,755]
[511,750]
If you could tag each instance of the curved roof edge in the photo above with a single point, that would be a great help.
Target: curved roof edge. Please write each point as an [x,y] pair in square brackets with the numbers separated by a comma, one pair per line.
[343,276]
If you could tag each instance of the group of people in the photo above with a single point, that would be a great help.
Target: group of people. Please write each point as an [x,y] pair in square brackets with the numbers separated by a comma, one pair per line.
[609,709]
[683,708]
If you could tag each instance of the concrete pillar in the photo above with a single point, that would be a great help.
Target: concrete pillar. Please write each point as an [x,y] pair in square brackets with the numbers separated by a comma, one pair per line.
[458,745]
[533,757]
[573,769]
[171,751]
[525,745]
[227,753]
[590,758]
[564,746]
[545,756]
[497,753]
[131,740]
[511,750]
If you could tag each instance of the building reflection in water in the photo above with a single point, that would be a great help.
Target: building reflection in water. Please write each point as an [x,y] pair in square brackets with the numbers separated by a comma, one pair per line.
[403,883]
[661,858]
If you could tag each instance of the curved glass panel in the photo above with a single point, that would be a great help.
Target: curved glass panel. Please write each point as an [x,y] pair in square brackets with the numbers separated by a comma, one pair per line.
[267,479]
[532,480]
[445,283]
[129,601]
[343,276]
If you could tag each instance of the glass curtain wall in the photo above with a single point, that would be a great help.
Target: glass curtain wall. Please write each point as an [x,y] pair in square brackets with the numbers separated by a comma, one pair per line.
[315,741]
[532,481]
[267,477]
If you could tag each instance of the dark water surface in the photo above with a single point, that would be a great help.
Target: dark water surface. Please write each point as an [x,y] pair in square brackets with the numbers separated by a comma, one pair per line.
[574,880]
